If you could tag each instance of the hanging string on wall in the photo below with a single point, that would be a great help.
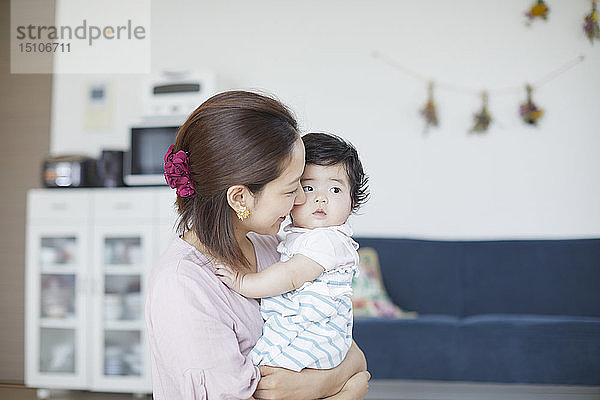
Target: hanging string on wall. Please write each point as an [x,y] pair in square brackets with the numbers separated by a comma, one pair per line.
[538,10]
[528,111]
[590,24]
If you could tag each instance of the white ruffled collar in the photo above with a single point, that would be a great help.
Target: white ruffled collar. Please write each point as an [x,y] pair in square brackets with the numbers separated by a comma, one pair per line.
[345,228]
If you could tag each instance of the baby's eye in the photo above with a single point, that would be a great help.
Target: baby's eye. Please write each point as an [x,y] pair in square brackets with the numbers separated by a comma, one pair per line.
[307,188]
[292,192]
[335,190]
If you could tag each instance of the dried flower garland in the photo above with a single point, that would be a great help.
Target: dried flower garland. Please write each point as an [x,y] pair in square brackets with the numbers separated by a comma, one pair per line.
[590,24]
[538,10]
[429,111]
[483,117]
[530,113]
[528,110]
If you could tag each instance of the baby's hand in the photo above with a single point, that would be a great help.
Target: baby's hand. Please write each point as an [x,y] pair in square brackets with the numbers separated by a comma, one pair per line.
[233,279]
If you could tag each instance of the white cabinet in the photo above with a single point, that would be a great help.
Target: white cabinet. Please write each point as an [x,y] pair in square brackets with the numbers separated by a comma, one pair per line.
[57,297]
[89,253]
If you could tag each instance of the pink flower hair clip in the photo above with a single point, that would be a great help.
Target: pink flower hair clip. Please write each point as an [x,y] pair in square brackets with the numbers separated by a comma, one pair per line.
[177,172]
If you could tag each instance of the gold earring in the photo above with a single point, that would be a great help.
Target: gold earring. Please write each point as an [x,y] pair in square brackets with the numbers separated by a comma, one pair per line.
[242,213]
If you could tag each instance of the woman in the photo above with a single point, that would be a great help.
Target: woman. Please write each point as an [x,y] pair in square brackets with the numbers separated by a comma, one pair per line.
[238,153]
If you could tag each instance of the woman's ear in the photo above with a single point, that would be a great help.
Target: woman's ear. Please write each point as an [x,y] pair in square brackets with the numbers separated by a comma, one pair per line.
[239,196]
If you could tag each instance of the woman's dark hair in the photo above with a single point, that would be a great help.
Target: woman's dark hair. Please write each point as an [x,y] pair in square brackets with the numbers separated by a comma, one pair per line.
[233,138]
[327,149]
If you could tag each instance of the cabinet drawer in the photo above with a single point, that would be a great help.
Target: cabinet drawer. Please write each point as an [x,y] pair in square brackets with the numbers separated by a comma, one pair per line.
[121,205]
[62,205]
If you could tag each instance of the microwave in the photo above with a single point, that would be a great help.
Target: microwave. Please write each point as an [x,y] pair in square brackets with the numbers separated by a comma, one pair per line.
[149,141]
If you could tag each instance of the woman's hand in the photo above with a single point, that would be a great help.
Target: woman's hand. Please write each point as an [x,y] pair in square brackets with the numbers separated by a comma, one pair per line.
[348,381]
[280,383]
[356,388]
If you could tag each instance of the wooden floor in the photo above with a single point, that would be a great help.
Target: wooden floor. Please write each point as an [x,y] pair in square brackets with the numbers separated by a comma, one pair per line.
[378,390]
[18,392]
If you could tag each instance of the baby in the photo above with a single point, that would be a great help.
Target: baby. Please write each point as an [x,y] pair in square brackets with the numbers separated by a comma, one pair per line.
[306,297]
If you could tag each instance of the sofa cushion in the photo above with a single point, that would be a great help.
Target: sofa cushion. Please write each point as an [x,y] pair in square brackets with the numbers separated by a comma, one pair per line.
[537,349]
[369,298]
[422,348]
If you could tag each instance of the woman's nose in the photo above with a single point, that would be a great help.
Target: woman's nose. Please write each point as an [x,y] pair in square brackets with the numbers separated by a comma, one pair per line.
[300,197]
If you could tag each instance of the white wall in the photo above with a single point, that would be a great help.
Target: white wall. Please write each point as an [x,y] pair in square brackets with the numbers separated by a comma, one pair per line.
[513,182]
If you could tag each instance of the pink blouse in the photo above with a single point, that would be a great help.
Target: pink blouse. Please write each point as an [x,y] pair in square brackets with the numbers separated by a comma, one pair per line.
[200,332]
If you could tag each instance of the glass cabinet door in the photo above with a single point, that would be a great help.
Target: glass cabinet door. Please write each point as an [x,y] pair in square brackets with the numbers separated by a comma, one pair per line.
[123,258]
[56,301]
[57,327]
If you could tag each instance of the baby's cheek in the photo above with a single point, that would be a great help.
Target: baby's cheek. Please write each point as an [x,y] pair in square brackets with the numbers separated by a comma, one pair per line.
[297,211]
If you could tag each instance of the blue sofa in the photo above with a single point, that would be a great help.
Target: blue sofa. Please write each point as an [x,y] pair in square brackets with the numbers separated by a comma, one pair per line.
[519,311]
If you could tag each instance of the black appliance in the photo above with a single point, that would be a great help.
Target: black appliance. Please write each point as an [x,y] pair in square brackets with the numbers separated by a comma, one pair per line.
[110,168]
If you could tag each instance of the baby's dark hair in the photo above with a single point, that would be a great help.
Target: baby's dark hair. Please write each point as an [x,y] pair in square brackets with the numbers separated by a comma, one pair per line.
[327,149]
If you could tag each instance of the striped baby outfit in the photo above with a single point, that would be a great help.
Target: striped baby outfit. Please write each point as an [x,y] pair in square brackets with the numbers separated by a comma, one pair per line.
[311,327]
